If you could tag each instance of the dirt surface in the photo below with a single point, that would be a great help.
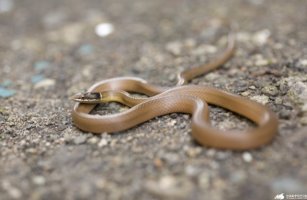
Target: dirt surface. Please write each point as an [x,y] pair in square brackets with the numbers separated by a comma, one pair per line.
[49,50]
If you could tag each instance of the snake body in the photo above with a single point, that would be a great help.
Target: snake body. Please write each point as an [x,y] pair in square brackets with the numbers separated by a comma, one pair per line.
[190,99]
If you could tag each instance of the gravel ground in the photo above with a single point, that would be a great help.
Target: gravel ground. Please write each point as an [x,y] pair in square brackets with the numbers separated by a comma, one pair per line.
[50,50]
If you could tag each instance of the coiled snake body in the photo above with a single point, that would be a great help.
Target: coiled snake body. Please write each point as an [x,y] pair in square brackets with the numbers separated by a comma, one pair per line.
[191,99]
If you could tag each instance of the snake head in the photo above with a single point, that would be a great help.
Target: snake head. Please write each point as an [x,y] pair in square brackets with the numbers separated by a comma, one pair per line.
[87,97]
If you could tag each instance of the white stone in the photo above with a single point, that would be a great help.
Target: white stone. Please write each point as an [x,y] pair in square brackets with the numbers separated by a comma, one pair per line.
[303,62]
[104,29]
[252,87]
[167,182]
[103,142]
[204,49]
[247,157]
[172,122]
[261,37]
[39,180]
[246,93]
[261,99]
[45,83]
[261,62]
[174,47]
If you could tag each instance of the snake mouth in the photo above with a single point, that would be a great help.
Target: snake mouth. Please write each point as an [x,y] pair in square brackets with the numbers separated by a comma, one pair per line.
[87,97]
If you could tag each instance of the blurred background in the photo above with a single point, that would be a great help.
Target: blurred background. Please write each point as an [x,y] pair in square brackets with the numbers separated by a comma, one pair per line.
[50,50]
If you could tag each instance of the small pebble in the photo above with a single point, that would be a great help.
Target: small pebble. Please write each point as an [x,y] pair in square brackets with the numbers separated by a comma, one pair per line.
[172,77]
[211,152]
[278,100]
[270,90]
[158,162]
[167,181]
[103,142]
[104,29]
[168,187]
[204,180]
[278,46]
[39,180]
[101,183]
[222,155]
[252,87]
[285,114]
[45,83]
[261,99]
[172,123]
[261,37]
[190,43]
[175,48]
[4,93]
[246,93]
[87,70]
[247,157]
[212,76]
[298,93]
[303,62]
[80,139]
[182,125]
[261,62]
[192,171]
[41,65]
[193,151]
[303,120]
[204,49]
[170,158]
[93,140]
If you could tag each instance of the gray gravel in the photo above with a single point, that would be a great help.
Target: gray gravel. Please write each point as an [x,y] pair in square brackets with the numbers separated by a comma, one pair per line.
[49,50]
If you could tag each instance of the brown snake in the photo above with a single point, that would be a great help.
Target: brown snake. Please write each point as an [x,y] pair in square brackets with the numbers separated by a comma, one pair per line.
[191,99]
